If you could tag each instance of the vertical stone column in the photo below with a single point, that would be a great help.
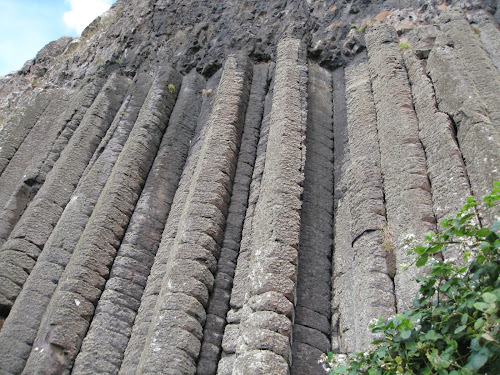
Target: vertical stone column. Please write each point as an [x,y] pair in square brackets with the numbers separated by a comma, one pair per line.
[219,298]
[18,334]
[265,343]
[311,329]
[174,336]
[145,313]
[445,165]
[460,97]
[72,306]
[373,263]
[403,164]
[476,62]
[104,345]
[19,253]
[239,289]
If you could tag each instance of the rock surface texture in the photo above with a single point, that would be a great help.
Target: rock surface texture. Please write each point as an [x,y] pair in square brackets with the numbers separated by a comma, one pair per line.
[223,187]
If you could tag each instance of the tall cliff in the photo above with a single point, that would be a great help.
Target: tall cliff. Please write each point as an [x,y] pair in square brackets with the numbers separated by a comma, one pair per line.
[222,187]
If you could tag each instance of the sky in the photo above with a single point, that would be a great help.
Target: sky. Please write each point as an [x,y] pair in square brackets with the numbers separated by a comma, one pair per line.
[26,26]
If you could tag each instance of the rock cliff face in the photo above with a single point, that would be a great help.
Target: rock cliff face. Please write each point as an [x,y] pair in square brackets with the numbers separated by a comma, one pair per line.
[222,187]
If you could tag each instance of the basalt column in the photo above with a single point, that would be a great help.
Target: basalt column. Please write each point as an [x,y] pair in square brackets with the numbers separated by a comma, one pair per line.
[149,297]
[264,345]
[311,329]
[72,305]
[465,97]
[20,252]
[174,335]
[104,345]
[42,282]
[403,163]
[219,298]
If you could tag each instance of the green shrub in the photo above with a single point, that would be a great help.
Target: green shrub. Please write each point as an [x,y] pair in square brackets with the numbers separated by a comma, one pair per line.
[171,88]
[454,326]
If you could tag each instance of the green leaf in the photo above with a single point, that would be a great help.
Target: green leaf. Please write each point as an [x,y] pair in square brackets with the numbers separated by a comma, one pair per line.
[460,329]
[405,334]
[464,319]
[483,232]
[489,297]
[478,359]
[482,306]
[479,323]
[340,370]
[422,260]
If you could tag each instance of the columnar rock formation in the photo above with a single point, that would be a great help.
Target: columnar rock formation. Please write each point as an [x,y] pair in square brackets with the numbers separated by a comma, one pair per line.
[212,187]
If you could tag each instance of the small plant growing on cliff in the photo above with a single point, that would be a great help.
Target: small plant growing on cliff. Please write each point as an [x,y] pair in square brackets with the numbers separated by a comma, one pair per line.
[171,88]
[361,29]
[454,326]
[403,46]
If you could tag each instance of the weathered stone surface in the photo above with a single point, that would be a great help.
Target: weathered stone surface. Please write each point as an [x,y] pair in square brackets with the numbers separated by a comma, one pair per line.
[96,248]
[403,165]
[134,259]
[154,226]
[63,239]
[188,276]
[144,316]
[445,165]
[43,213]
[371,271]
[277,221]
[478,136]
[236,212]
[490,38]
[316,234]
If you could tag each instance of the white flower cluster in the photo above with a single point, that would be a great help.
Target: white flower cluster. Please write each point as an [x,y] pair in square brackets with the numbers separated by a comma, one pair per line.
[337,360]
[408,242]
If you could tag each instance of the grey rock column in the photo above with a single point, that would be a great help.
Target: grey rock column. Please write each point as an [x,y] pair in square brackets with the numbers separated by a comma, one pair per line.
[219,298]
[174,336]
[72,306]
[476,61]
[104,345]
[239,291]
[445,165]
[343,303]
[18,184]
[18,334]
[264,346]
[19,125]
[490,37]
[478,138]
[311,329]
[403,164]
[373,267]
[145,313]
[26,241]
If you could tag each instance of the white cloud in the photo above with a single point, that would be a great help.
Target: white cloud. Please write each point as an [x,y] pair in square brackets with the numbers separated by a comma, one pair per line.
[84,12]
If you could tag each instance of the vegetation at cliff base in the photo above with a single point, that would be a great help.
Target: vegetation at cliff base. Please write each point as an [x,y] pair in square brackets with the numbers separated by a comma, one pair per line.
[454,326]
